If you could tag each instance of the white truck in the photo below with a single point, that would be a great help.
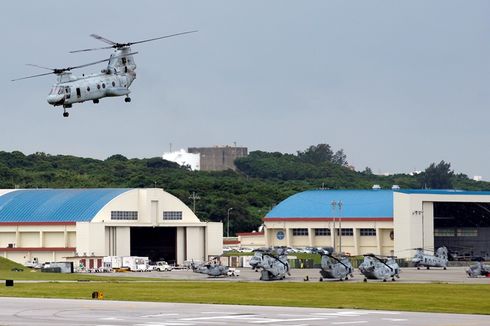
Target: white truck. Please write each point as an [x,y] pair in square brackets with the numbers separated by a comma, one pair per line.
[111,262]
[136,264]
[161,266]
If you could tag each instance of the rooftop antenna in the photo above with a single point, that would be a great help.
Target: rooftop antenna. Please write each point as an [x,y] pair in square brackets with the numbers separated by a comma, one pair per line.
[194,197]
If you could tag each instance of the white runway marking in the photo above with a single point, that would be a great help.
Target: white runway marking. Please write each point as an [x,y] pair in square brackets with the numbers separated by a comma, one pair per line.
[394,319]
[159,315]
[350,322]
[266,321]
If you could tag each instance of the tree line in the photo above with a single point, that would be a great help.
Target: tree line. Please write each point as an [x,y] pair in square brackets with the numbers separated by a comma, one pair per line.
[261,181]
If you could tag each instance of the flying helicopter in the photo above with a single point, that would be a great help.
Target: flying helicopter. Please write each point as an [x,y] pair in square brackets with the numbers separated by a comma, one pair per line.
[479,269]
[438,259]
[334,268]
[273,262]
[112,81]
[377,268]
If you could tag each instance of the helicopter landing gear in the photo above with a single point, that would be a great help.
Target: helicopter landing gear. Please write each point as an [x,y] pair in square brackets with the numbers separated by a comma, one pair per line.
[384,280]
[428,267]
[393,279]
[347,278]
[127,99]
[96,101]
[418,268]
[444,268]
[65,114]
[364,280]
[321,279]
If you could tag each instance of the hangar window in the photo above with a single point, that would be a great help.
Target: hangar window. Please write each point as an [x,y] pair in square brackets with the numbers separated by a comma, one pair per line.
[321,232]
[171,215]
[368,232]
[300,232]
[467,232]
[444,232]
[124,215]
[345,232]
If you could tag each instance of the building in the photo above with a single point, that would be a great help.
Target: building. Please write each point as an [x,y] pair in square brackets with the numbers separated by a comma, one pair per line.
[184,158]
[53,224]
[218,158]
[386,222]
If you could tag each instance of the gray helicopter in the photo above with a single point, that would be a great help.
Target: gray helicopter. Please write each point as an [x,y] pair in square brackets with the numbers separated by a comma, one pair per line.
[438,259]
[212,268]
[376,268]
[273,262]
[333,267]
[479,269]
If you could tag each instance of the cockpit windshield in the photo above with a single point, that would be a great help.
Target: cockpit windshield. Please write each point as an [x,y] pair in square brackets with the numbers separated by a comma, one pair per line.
[56,90]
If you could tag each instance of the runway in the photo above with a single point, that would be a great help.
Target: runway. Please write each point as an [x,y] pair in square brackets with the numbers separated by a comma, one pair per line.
[26,311]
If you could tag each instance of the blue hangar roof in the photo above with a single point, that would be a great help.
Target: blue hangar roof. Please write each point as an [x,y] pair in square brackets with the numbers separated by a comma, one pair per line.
[318,204]
[54,205]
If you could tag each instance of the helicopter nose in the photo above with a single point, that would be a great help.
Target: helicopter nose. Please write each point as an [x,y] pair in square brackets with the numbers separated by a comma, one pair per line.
[55,99]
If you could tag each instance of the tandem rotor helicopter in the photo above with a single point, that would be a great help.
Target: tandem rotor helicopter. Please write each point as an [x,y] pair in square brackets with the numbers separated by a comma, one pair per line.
[112,81]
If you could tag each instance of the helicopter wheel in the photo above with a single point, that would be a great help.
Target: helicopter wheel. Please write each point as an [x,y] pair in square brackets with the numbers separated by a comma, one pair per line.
[321,279]
[428,267]
[384,280]
[444,268]
[127,99]
[393,279]
[66,114]
[418,268]
[347,278]
[365,280]
[96,101]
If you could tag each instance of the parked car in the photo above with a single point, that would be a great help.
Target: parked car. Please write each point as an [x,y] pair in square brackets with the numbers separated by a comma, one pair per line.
[161,266]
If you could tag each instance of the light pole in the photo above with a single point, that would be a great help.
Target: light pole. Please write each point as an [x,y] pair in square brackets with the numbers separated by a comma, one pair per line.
[228,222]
[336,204]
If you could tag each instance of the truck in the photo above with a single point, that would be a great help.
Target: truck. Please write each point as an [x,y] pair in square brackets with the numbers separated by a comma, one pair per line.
[111,262]
[161,266]
[135,264]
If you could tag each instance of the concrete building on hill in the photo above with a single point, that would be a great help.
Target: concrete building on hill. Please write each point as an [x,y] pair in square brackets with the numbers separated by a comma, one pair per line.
[218,158]
[53,224]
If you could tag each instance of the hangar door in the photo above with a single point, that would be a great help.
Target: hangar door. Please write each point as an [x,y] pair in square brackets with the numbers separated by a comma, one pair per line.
[157,243]
[463,227]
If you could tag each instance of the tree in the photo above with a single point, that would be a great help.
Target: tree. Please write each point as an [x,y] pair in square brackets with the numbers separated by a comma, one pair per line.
[316,154]
[437,176]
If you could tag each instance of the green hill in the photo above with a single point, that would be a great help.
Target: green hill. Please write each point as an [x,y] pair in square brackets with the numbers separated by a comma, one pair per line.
[263,179]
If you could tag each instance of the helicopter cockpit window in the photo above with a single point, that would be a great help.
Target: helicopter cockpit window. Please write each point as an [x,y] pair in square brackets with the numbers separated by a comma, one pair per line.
[56,90]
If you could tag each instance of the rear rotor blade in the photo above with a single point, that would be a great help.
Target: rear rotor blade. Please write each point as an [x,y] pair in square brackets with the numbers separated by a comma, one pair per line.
[103,39]
[45,74]
[92,49]
[158,38]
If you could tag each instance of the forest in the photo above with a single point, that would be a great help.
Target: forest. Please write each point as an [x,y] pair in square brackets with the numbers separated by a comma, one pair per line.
[261,181]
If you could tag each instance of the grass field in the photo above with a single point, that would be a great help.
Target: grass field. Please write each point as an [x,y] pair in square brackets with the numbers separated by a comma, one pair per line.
[474,299]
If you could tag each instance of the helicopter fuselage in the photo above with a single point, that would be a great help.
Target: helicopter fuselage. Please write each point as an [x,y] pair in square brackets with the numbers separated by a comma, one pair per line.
[88,88]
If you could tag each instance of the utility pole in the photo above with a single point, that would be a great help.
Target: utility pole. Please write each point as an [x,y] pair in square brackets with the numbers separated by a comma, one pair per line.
[228,222]
[194,197]
[340,225]
[334,204]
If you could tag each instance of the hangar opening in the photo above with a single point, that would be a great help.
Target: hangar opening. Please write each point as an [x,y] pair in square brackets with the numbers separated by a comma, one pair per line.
[463,227]
[157,243]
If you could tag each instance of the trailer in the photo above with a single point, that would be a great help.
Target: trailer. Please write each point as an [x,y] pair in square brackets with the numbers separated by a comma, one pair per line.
[135,264]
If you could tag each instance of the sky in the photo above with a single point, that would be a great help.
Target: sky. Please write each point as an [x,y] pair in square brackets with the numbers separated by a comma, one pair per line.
[396,84]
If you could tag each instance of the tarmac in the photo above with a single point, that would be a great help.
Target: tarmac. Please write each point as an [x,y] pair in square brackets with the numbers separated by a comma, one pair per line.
[452,275]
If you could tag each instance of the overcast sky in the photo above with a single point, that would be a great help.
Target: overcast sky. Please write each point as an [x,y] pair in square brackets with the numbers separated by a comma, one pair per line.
[396,84]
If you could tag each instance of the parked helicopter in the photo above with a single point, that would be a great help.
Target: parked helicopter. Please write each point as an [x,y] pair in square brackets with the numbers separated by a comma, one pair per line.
[213,268]
[439,259]
[376,268]
[273,262]
[113,81]
[479,269]
[335,268]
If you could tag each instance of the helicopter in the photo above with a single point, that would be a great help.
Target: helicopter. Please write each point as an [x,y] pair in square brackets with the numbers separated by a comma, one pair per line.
[439,259]
[333,267]
[479,269]
[273,262]
[213,268]
[112,81]
[376,268]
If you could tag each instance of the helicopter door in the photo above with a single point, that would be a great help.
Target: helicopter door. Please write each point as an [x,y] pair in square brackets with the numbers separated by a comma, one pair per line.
[67,92]
[79,93]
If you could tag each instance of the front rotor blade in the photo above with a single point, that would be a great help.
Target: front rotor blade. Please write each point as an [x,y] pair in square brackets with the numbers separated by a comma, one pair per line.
[103,39]
[45,74]
[100,61]
[92,49]
[158,38]
[33,65]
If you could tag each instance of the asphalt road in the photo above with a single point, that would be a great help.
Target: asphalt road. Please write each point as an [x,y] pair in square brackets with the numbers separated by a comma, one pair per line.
[22,311]
[452,275]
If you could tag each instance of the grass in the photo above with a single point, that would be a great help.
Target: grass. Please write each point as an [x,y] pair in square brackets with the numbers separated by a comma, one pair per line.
[448,298]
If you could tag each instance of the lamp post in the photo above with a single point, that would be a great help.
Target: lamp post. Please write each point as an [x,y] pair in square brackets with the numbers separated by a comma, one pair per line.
[228,222]
[336,204]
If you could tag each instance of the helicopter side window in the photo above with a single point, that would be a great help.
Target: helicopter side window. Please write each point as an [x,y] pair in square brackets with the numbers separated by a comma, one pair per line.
[88,89]
[113,84]
[98,86]
[123,60]
[53,91]
[103,85]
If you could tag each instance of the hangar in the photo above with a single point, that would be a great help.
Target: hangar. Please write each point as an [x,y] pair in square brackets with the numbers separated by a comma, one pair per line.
[386,222]
[54,224]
